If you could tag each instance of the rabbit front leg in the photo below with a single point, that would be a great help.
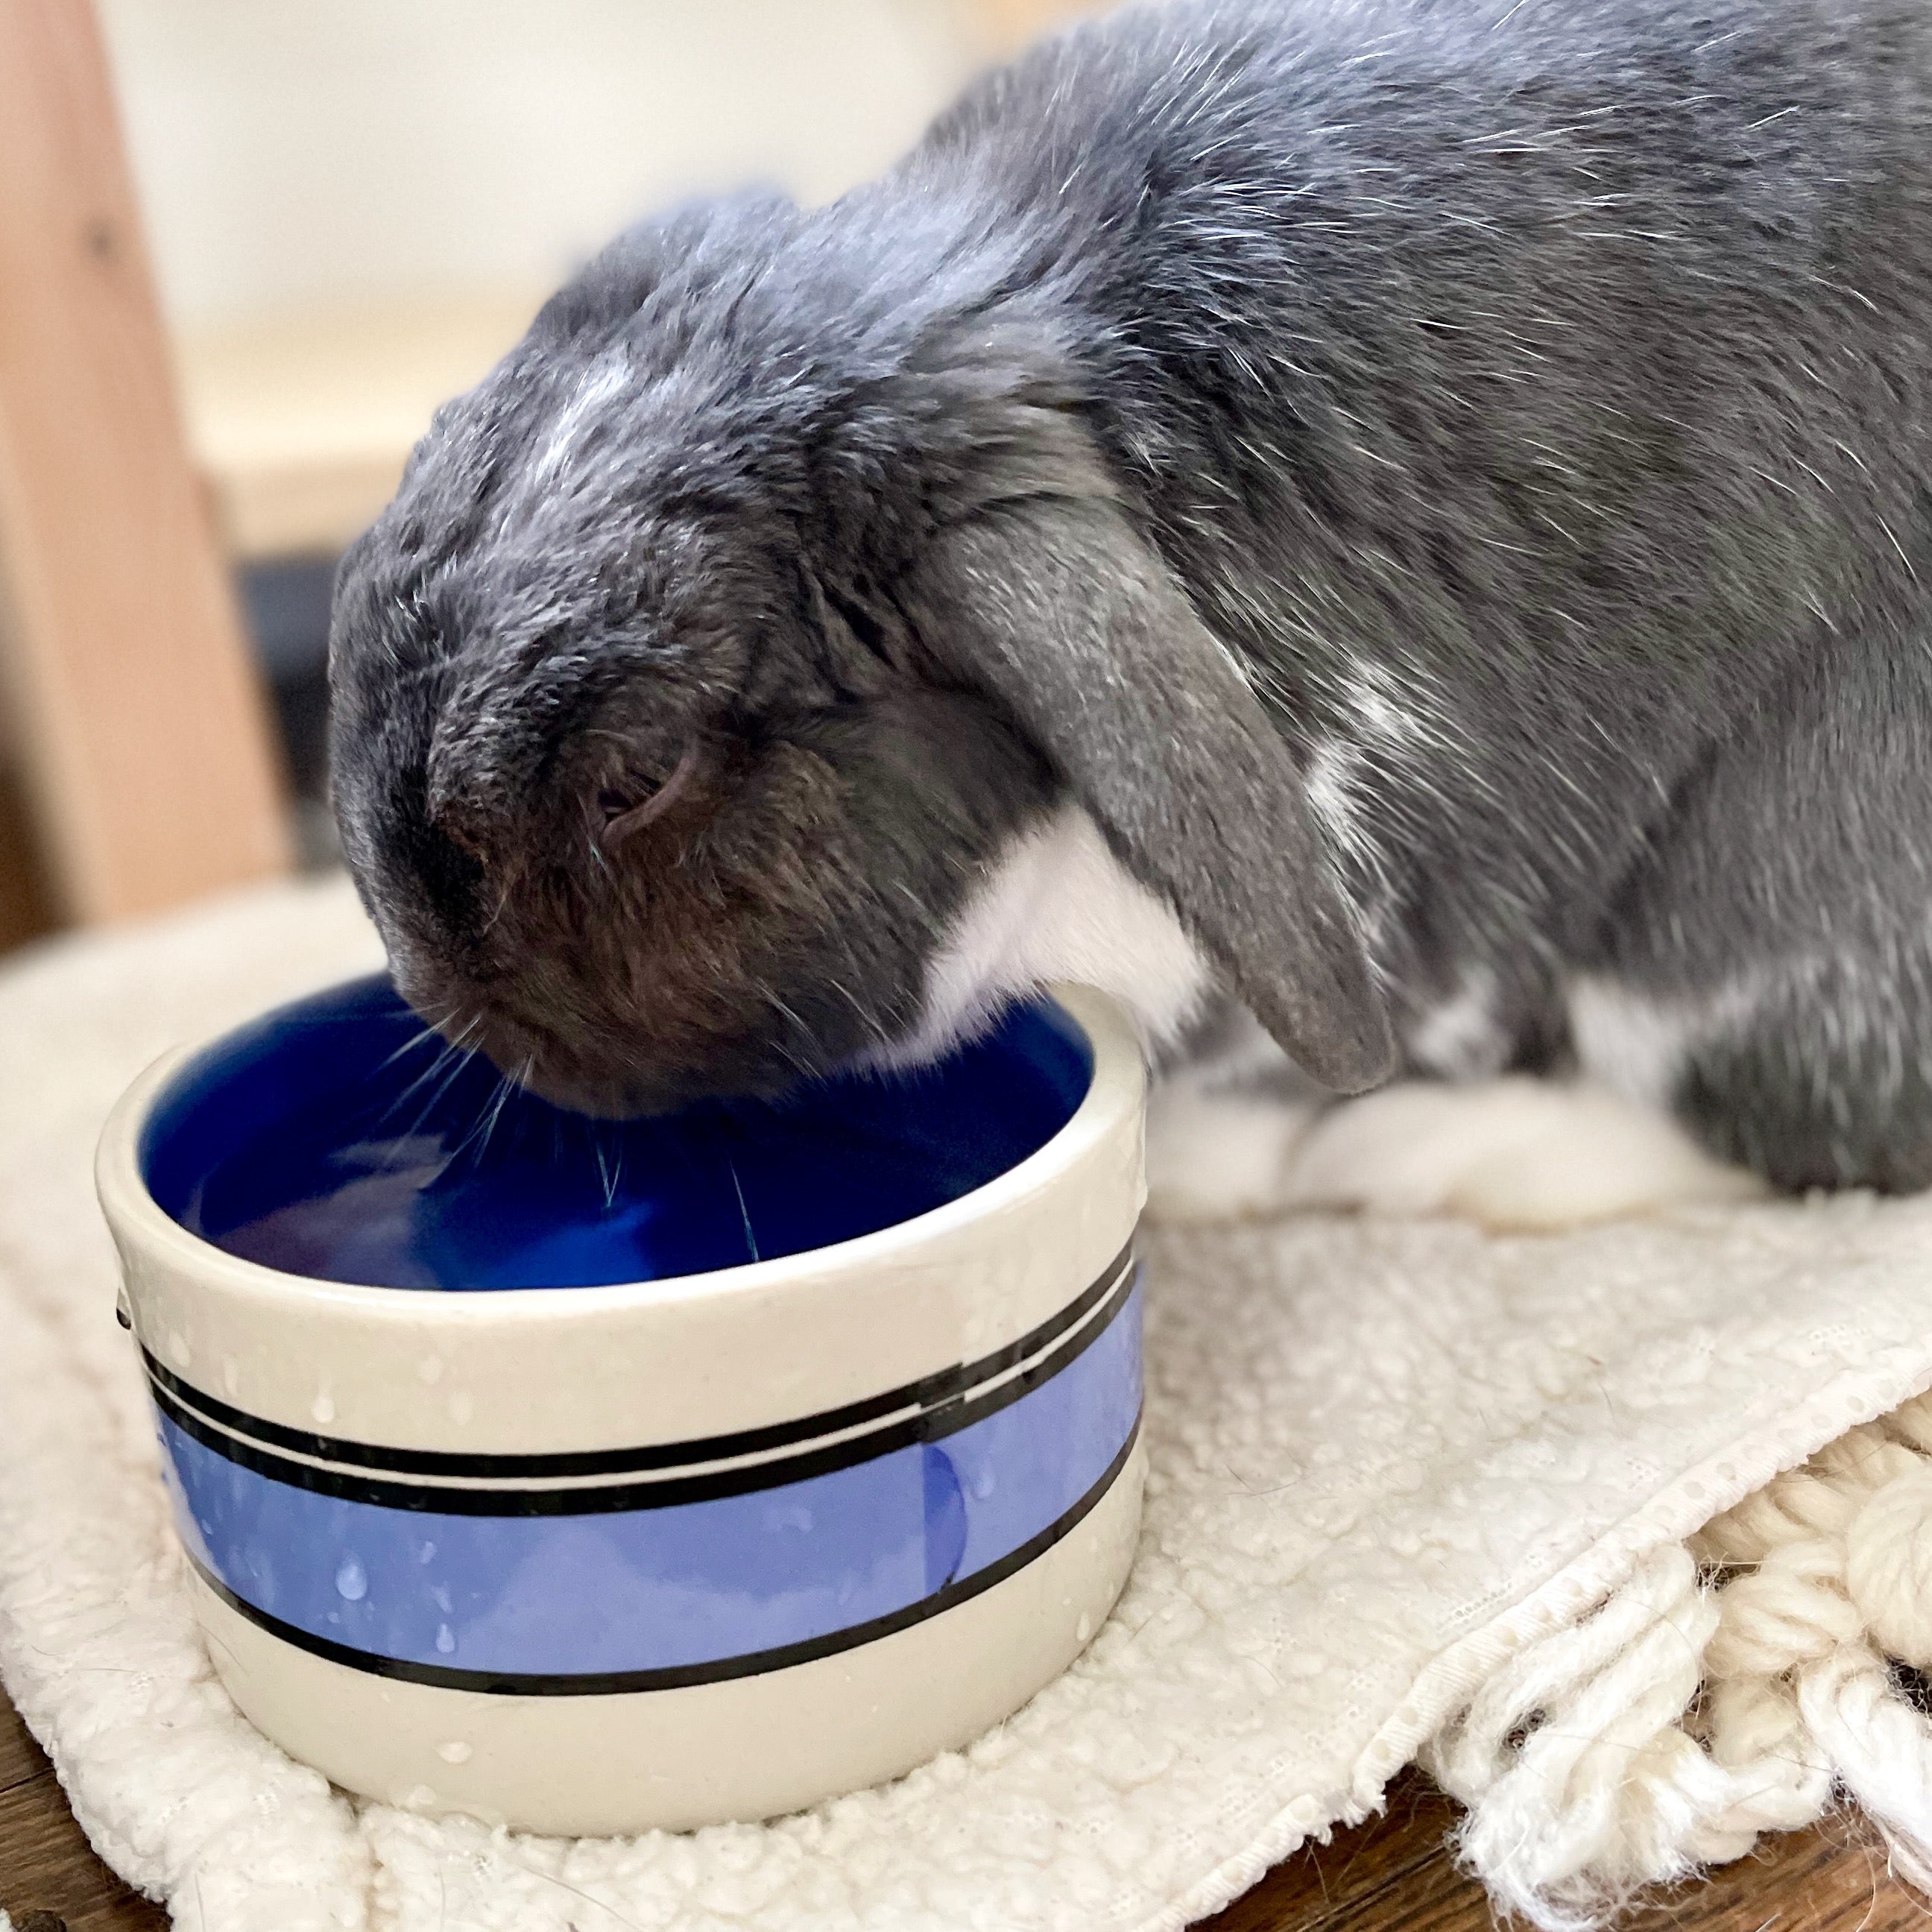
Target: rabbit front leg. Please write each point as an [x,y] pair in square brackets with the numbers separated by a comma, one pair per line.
[1235,1131]
[1227,1116]
[1514,1155]
[1228,1140]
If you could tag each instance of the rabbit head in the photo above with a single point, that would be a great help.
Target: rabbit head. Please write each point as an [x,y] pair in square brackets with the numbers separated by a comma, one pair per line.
[722,647]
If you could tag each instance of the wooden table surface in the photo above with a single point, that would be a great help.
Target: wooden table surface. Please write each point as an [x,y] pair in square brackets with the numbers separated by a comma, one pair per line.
[1393,1874]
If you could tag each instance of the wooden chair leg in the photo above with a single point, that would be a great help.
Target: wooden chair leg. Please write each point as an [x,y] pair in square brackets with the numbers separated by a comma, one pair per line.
[150,770]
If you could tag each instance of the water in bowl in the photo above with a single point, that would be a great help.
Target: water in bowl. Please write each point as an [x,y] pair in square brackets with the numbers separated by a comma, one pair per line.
[335,1139]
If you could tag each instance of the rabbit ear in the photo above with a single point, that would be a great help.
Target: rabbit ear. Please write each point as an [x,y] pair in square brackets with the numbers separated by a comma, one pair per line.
[1055,606]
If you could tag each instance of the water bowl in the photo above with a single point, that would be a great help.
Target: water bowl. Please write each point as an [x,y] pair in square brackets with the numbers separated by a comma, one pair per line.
[588,1477]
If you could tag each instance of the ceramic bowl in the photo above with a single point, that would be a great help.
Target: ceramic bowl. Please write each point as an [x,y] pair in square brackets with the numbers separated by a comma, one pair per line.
[758,1454]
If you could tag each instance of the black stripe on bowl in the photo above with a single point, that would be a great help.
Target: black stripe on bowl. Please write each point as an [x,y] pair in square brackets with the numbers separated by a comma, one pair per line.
[617,1683]
[942,1386]
[931,1424]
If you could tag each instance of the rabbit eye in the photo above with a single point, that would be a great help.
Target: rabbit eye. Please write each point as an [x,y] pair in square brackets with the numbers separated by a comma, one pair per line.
[625,809]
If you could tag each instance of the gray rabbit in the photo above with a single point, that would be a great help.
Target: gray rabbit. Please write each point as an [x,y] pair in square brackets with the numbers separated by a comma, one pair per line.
[1410,514]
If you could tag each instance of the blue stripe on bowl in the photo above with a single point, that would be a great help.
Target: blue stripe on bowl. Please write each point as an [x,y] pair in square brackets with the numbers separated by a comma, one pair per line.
[690,1592]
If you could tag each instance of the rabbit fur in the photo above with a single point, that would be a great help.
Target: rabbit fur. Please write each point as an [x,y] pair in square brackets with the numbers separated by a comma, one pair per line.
[1406,518]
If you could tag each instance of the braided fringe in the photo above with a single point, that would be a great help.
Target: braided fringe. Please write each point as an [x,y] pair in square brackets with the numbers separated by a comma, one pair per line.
[1727,1689]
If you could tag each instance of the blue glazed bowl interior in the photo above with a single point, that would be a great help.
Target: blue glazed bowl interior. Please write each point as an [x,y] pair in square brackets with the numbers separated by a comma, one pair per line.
[337,1138]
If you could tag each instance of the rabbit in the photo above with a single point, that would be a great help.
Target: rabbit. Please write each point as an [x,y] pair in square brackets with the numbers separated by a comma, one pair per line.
[1393,531]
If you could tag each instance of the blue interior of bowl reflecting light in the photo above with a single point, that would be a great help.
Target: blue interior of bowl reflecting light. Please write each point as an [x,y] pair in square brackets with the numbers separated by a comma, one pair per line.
[334,1138]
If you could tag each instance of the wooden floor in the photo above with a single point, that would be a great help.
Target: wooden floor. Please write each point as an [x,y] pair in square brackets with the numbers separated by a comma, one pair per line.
[1392,1875]
[45,1864]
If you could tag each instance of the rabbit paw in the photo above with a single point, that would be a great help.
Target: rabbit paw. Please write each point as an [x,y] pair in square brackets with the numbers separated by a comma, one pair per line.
[1220,1156]
[1511,1154]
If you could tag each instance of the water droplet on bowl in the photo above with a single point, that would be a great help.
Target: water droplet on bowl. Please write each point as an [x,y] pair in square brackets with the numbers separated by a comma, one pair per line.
[323,1408]
[462,1406]
[430,1368]
[351,1580]
[446,1639]
[178,1348]
[1084,1629]
[427,1554]
[231,1374]
[455,1752]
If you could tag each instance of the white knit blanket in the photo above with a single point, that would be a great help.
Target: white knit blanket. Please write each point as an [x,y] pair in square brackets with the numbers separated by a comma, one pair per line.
[1415,1491]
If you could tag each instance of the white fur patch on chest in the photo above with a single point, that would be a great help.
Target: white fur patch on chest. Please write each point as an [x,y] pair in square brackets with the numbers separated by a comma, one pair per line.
[1058,905]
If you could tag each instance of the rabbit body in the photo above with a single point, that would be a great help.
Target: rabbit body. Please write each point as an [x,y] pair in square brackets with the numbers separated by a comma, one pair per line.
[1414,511]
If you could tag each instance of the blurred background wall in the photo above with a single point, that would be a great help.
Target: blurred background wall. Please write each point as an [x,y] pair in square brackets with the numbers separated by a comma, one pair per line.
[337,212]
[296,154]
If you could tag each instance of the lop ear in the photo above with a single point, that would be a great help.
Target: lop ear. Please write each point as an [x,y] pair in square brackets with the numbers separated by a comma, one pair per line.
[1053,605]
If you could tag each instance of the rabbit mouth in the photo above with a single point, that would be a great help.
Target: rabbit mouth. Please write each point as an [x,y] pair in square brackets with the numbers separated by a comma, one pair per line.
[533,1057]
[599,1086]
[596,1095]
[610,1071]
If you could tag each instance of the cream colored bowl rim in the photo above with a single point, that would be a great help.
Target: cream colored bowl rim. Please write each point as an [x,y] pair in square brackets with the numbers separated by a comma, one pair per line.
[1116,1089]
